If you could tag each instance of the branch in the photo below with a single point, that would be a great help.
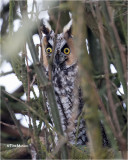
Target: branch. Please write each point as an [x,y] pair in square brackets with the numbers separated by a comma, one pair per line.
[91,105]
[119,135]
[8,125]
[118,48]
[15,153]
[11,9]
[34,112]
[102,76]
[6,73]
[49,90]
[14,119]
[12,130]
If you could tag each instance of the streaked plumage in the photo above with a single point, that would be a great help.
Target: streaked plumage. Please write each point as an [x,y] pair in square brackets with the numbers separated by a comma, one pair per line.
[65,81]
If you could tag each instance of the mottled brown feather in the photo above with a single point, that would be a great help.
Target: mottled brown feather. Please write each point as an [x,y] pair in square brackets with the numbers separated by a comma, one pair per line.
[72,56]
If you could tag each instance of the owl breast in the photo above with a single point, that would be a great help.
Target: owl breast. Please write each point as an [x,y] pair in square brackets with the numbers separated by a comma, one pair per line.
[64,78]
[63,81]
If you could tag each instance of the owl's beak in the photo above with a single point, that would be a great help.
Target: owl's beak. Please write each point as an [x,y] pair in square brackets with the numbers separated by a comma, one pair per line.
[59,59]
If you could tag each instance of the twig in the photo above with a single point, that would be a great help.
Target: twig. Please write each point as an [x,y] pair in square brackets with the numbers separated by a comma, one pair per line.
[92,9]
[119,50]
[33,152]
[106,69]
[8,125]
[15,153]
[102,76]
[58,23]
[117,89]
[32,110]
[6,73]
[119,135]
[11,10]
[26,105]
[49,90]
[14,119]
[107,116]
[50,8]
[62,141]
[28,75]
[14,131]
[122,14]
[91,105]
[34,78]
[32,9]
[119,45]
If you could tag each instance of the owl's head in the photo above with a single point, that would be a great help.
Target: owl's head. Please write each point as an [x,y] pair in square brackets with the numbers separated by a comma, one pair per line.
[60,46]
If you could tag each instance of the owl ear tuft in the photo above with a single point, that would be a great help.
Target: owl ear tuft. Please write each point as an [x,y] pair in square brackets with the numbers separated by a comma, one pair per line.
[45,26]
[67,30]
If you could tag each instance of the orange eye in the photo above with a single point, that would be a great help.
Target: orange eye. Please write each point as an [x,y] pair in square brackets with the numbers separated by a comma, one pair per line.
[48,50]
[66,50]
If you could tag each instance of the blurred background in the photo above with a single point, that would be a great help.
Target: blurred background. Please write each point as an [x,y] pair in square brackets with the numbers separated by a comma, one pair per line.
[104,48]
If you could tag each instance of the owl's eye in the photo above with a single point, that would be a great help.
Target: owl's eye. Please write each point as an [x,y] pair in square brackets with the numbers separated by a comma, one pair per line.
[66,50]
[48,50]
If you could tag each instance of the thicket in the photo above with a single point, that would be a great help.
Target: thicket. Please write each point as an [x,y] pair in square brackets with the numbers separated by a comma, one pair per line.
[100,37]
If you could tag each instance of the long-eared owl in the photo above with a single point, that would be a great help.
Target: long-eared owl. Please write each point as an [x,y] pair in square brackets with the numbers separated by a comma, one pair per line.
[66,84]
[65,80]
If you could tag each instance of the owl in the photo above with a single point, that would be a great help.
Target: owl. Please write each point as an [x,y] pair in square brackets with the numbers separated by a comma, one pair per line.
[65,80]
